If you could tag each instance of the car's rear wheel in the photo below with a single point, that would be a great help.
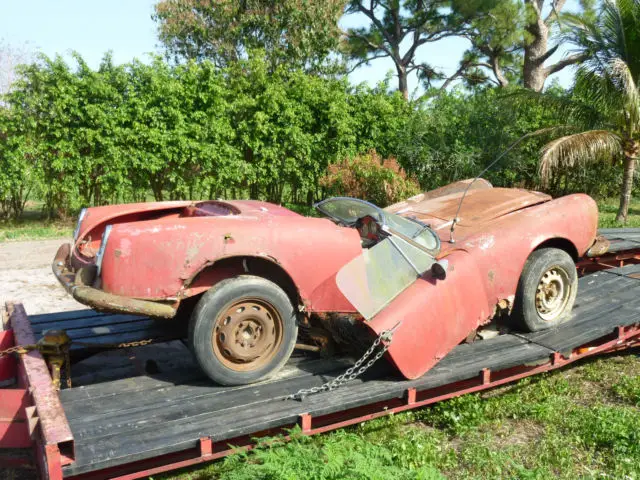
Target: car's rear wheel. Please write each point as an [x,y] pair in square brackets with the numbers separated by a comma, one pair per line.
[546,290]
[243,330]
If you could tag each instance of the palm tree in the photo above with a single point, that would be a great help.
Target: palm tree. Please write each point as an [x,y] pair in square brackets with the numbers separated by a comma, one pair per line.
[608,84]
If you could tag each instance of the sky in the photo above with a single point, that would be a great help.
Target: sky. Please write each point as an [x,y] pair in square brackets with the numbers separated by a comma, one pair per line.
[125,28]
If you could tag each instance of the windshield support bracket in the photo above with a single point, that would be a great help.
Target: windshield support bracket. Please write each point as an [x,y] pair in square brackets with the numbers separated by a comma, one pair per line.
[418,272]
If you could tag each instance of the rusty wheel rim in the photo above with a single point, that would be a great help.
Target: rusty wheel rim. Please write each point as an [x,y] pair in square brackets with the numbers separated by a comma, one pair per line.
[247,335]
[552,293]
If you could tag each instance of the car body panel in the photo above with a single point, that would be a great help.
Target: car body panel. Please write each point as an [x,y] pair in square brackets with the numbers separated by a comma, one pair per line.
[435,315]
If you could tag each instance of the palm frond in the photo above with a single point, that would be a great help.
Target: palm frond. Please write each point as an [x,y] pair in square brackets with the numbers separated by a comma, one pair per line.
[629,92]
[579,148]
[629,19]
[602,92]
[615,33]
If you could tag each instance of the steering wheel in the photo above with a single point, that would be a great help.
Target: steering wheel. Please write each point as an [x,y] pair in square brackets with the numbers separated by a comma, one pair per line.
[368,228]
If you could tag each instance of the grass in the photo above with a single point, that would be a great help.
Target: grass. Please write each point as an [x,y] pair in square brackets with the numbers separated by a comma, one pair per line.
[608,209]
[31,226]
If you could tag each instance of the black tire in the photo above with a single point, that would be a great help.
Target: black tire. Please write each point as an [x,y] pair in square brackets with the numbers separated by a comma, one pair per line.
[218,330]
[546,291]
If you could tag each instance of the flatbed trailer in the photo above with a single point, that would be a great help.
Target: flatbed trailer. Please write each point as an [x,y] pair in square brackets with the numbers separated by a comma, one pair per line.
[148,409]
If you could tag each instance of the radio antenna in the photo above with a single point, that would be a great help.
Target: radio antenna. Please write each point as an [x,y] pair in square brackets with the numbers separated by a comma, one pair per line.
[456,219]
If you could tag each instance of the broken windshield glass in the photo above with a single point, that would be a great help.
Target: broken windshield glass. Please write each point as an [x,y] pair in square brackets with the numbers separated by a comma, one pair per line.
[348,210]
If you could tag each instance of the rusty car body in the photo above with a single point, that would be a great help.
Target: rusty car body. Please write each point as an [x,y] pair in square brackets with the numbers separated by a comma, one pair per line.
[432,268]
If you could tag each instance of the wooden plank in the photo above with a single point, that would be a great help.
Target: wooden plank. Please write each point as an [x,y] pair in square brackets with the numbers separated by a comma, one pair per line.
[244,419]
[183,369]
[444,370]
[53,317]
[78,404]
[92,410]
[99,332]
[626,231]
[152,332]
[88,322]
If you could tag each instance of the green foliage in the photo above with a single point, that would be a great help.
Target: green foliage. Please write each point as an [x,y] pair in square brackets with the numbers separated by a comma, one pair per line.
[608,209]
[458,415]
[628,389]
[457,134]
[369,177]
[298,33]
[345,455]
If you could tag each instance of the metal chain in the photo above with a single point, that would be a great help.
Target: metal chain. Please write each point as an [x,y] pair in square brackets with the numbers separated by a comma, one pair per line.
[20,349]
[356,370]
[137,343]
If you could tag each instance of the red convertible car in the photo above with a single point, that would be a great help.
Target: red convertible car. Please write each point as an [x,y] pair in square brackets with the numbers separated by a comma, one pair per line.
[254,280]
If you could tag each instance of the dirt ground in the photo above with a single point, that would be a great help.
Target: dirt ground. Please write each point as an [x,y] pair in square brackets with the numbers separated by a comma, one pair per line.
[26,276]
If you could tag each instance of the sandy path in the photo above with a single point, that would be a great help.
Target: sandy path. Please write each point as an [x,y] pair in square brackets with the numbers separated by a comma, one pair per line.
[25,276]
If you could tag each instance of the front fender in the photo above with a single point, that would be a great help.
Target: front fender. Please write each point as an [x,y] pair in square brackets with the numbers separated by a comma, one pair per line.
[436,315]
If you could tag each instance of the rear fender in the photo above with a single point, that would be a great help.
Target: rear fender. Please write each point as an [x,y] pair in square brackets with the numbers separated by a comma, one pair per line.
[436,315]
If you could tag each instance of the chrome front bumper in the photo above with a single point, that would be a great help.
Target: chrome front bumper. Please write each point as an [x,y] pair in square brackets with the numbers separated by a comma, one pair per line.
[79,285]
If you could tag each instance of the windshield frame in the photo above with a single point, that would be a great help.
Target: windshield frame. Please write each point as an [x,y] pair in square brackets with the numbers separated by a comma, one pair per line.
[384,223]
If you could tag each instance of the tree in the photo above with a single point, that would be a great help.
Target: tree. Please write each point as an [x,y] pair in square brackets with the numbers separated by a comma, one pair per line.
[299,33]
[608,96]
[511,40]
[542,18]
[495,32]
[397,30]
[10,57]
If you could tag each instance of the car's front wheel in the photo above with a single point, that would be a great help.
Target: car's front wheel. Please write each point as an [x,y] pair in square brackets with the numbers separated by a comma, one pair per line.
[243,330]
[547,289]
